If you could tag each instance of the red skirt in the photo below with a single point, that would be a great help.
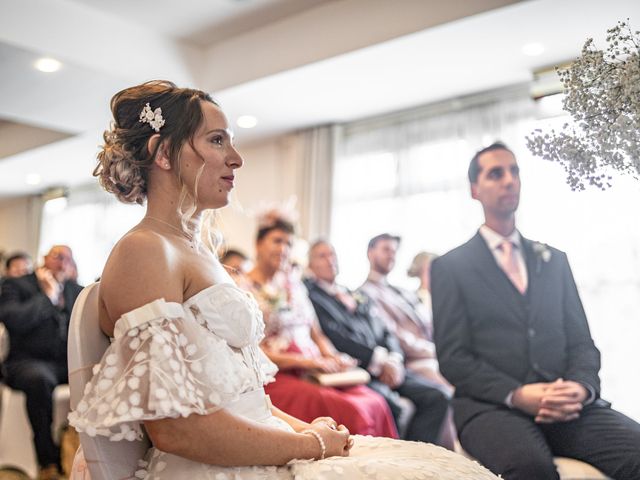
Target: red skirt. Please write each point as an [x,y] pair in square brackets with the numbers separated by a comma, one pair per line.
[359,408]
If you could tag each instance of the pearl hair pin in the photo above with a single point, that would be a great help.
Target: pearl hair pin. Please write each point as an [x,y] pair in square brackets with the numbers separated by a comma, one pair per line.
[152,117]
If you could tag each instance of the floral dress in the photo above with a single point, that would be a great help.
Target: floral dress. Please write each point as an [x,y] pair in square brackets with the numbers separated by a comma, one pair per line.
[170,360]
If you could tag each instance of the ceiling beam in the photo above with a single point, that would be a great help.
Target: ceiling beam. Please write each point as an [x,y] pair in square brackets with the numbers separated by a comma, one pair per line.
[328,30]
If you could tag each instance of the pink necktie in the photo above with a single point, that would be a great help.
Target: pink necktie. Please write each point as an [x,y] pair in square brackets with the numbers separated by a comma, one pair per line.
[511,268]
[347,300]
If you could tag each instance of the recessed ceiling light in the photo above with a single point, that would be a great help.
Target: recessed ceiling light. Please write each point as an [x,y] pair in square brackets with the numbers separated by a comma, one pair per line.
[247,121]
[533,49]
[33,179]
[48,65]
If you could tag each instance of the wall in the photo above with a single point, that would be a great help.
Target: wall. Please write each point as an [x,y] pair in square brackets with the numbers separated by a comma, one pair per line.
[271,173]
[19,224]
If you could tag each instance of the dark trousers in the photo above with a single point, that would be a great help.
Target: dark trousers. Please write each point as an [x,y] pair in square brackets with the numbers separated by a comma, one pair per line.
[431,404]
[510,443]
[37,379]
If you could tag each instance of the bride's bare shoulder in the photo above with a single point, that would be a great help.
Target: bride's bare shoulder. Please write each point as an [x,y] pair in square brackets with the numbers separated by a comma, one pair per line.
[143,266]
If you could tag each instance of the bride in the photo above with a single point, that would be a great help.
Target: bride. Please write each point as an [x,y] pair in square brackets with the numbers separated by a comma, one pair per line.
[184,366]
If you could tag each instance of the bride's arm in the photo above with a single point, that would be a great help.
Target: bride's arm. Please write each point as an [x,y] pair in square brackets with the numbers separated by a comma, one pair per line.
[295,423]
[222,438]
[299,425]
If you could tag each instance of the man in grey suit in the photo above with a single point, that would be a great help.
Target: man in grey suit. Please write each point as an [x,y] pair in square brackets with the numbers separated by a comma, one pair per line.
[513,339]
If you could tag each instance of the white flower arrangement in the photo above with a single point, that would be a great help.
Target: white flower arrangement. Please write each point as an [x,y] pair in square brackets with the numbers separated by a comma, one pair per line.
[603,97]
[542,253]
[152,117]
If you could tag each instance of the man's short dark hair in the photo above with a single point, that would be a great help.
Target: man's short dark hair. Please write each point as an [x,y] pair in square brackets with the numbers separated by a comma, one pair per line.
[278,224]
[16,256]
[232,253]
[382,236]
[474,166]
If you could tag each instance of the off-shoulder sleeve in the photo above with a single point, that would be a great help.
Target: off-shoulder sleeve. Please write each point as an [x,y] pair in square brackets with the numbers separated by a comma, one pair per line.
[162,363]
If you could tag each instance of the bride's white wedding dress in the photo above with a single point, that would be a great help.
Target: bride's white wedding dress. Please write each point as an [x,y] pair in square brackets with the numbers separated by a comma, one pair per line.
[170,360]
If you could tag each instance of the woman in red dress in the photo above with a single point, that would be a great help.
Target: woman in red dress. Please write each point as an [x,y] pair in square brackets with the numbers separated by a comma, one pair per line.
[296,344]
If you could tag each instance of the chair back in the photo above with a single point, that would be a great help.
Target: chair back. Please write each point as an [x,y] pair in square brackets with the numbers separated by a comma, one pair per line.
[4,342]
[106,460]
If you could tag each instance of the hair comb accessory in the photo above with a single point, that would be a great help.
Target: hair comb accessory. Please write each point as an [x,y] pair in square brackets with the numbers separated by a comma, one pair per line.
[152,117]
[268,214]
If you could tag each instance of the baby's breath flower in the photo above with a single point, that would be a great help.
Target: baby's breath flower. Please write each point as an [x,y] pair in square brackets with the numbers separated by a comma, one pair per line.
[603,97]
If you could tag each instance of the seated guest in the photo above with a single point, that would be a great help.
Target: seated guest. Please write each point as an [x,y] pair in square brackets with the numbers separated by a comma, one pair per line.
[420,268]
[235,261]
[296,344]
[513,338]
[404,314]
[18,264]
[35,309]
[348,321]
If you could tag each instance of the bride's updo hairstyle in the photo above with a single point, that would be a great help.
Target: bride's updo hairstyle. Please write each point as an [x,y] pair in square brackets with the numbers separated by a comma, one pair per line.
[124,160]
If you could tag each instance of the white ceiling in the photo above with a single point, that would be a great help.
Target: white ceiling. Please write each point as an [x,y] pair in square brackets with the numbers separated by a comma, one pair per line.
[290,68]
[203,22]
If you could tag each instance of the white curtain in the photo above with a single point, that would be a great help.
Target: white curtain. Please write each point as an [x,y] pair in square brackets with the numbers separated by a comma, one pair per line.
[407,174]
[316,172]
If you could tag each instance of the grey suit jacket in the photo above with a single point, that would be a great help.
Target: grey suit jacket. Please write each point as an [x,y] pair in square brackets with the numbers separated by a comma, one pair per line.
[357,333]
[491,339]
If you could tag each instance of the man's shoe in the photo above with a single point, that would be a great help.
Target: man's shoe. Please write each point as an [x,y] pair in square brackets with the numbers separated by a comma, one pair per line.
[50,472]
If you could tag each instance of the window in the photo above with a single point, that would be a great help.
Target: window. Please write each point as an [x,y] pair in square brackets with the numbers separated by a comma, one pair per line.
[91,222]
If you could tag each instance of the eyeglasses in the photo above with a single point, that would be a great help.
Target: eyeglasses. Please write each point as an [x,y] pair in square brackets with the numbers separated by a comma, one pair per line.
[60,256]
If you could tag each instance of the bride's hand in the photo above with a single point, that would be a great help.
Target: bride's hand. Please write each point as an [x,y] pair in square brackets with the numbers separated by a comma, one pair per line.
[336,441]
[330,422]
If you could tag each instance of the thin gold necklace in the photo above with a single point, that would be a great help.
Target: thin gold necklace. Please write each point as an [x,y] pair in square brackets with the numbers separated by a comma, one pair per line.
[181,231]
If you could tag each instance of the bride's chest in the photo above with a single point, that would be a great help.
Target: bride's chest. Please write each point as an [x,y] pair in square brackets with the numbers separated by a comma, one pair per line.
[229,313]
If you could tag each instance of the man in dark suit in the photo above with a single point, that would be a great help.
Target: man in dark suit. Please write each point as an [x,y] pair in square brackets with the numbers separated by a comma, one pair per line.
[36,308]
[347,320]
[18,264]
[512,337]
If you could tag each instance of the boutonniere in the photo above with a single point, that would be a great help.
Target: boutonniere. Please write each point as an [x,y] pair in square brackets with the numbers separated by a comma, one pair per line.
[542,253]
[362,302]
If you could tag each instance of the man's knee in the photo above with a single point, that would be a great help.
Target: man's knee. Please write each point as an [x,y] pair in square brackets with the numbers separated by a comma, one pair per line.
[436,400]
[525,467]
[496,450]
[628,468]
[36,381]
